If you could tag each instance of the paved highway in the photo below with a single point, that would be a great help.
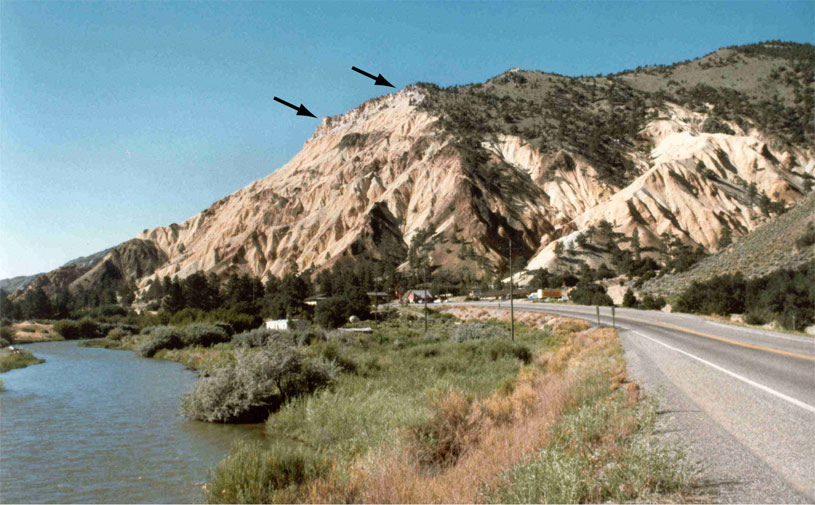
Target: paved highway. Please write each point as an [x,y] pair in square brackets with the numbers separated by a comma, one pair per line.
[742,400]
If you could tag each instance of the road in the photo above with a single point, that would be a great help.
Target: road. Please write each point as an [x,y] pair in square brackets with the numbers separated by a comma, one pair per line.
[742,400]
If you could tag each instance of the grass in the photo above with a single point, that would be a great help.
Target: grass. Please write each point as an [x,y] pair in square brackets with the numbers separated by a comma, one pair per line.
[602,450]
[35,331]
[433,420]
[11,361]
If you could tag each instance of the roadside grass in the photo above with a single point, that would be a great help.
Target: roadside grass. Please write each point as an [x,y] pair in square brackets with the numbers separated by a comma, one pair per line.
[11,361]
[426,420]
[602,450]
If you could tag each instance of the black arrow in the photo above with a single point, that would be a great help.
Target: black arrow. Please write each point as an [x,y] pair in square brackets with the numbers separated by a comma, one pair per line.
[378,79]
[301,111]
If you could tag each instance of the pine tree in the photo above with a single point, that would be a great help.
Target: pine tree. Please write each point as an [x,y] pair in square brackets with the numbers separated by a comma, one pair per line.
[726,238]
[635,244]
[629,299]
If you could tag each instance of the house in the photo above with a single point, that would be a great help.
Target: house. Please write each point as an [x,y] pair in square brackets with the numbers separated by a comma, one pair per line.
[283,324]
[379,296]
[314,300]
[417,296]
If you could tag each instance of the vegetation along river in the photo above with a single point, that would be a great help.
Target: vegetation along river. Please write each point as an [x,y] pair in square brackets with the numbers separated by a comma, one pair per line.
[95,425]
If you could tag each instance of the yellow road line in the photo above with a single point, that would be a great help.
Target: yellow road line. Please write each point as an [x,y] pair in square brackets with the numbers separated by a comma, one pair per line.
[722,339]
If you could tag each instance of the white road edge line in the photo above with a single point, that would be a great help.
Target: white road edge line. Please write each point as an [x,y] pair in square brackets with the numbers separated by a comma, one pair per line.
[762,387]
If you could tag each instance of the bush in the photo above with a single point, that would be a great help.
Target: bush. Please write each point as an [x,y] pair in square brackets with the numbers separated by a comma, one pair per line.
[7,333]
[260,337]
[163,337]
[203,334]
[254,384]
[117,334]
[4,342]
[499,348]
[720,295]
[331,312]
[652,303]
[441,440]
[629,299]
[253,474]
[755,318]
[332,353]
[237,321]
[74,330]
[589,293]
[472,331]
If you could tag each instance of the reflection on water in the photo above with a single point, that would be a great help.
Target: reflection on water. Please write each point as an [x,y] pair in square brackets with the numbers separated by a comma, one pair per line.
[95,425]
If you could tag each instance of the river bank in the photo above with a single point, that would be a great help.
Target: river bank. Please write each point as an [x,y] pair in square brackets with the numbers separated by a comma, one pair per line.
[95,426]
[18,358]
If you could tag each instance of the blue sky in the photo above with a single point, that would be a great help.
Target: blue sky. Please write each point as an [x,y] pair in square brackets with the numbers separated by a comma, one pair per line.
[116,117]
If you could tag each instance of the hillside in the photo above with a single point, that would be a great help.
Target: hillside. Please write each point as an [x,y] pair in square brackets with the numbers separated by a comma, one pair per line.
[779,243]
[682,152]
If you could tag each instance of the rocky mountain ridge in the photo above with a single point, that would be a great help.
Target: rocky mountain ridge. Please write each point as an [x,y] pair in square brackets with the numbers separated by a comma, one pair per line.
[532,157]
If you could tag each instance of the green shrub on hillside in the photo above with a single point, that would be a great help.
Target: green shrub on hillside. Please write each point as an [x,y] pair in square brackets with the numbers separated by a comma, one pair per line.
[589,293]
[650,302]
[784,295]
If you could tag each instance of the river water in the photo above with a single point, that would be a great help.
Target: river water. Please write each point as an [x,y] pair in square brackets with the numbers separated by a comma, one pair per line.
[101,426]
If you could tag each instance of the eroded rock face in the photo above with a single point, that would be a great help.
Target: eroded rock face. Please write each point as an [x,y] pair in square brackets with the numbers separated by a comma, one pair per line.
[695,186]
[384,171]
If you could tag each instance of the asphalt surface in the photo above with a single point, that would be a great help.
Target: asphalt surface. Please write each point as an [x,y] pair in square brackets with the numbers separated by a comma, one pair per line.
[741,400]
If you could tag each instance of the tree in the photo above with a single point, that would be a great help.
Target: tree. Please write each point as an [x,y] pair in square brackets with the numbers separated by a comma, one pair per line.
[36,304]
[629,299]
[589,293]
[62,304]
[541,278]
[752,192]
[173,300]
[8,309]
[726,238]
[765,204]
[201,292]
[558,249]
[635,243]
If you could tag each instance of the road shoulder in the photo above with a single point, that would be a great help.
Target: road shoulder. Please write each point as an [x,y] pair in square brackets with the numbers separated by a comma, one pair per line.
[731,473]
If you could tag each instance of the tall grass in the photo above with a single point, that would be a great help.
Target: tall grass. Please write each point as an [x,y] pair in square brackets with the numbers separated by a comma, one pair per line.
[11,361]
[254,474]
[425,420]
[602,450]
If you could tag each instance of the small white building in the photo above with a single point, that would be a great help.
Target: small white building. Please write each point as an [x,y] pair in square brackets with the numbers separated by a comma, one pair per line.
[282,324]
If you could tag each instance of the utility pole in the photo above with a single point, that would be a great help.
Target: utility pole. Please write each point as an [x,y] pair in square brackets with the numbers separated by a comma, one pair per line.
[511,306]
[425,295]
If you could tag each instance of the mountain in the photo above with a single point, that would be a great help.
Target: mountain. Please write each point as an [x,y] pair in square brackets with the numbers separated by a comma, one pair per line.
[682,151]
[82,263]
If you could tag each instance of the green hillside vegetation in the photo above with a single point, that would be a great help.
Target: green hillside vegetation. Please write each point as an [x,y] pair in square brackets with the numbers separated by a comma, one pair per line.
[784,296]
[785,241]
[769,85]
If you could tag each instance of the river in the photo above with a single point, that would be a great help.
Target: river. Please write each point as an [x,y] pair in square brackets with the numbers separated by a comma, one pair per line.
[100,426]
